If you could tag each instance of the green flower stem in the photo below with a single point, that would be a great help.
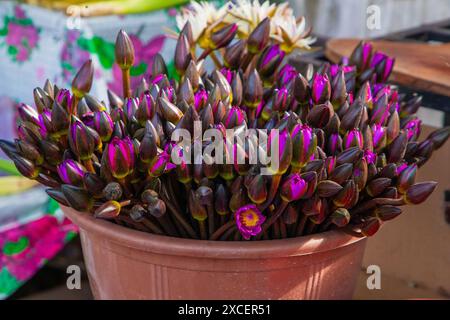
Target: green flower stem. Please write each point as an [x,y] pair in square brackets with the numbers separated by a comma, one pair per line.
[223,228]
[375,202]
[179,217]
[310,228]
[276,179]
[283,229]
[126,187]
[266,225]
[202,227]
[211,219]
[228,233]
[301,225]
[126,83]
[216,60]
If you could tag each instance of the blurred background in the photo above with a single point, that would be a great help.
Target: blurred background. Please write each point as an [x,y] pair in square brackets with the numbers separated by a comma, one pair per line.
[42,39]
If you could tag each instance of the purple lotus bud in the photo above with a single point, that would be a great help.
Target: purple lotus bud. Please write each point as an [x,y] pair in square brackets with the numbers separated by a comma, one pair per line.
[353,138]
[314,165]
[304,142]
[118,114]
[397,149]
[114,100]
[439,137]
[93,104]
[28,114]
[182,54]
[160,164]
[425,149]
[285,149]
[103,124]
[146,109]
[419,192]
[130,108]
[197,210]
[379,137]
[386,213]
[406,178]
[340,217]
[60,120]
[339,90]
[234,117]
[200,99]
[207,118]
[377,186]
[259,38]
[347,197]
[42,99]
[412,128]
[120,157]
[148,147]
[352,117]
[334,144]
[249,220]
[77,198]
[159,65]
[257,189]
[320,115]
[361,56]
[71,172]
[269,60]
[370,227]
[383,65]
[82,82]
[81,140]
[94,184]
[58,196]
[221,200]
[124,51]
[293,188]
[281,99]
[286,74]
[169,111]
[342,173]
[222,37]
[330,164]
[234,53]
[302,91]
[321,89]
[108,210]
[183,170]
[185,91]
[253,90]
[393,127]
[26,167]
[365,94]
[27,150]
[193,76]
[328,188]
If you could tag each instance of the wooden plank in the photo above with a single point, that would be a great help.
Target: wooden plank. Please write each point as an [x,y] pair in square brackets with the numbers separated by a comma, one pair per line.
[418,65]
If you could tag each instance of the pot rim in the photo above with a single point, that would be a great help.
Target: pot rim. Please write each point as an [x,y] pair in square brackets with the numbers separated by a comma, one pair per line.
[173,246]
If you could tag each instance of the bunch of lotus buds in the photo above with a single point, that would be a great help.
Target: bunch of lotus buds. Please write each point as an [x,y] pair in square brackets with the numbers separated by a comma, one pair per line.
[346,145]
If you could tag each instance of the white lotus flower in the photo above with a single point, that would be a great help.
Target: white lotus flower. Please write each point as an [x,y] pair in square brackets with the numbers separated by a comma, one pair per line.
[202,15]
[291,33]
[248,14]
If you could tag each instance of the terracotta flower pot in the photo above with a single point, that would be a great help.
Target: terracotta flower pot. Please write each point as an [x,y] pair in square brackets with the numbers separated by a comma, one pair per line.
[126,264]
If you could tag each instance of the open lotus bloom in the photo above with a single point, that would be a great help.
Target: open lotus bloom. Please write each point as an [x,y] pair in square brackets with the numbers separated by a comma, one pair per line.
[233,143]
